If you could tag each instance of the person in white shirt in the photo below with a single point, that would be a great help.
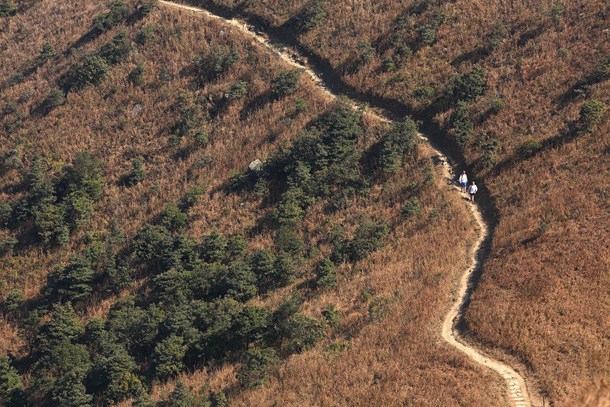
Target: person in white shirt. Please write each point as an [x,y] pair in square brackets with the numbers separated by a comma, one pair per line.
[472,190]
[463,181]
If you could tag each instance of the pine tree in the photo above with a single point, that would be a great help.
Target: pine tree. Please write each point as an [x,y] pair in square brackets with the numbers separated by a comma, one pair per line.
[69,391]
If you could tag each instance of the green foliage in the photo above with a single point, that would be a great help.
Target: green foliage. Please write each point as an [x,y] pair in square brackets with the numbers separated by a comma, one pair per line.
[168,356]
[602,69]
[7,8]
[527,148]
[113,373]
[365,53]
[62,327]
[136,76]
[468,86]
[426,34]
[172,217]
[300,106]
[309,16]
[591,114]
[13,300]
[287,240]
[236,247]
[146,34]
[192,196]
[180,397]
[151,242]
[137,173]
[399,140]
[119,11]
[7,246]
[424,92]
[55,98]
[218,61]
[326,274]
[332,315]
[69,391]
[85,174]
[379,308]
[366,240]
[460,122]
[556,11]
[285,83]
[116,50]
[76,279]
[11,382]
[302,332]
[411,208]
[496,36]
[92,72]
[213,247]
[255,370]
[237,90]
[147,7]
[251,325]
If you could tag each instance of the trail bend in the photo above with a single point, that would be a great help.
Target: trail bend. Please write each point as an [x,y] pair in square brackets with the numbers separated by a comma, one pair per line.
[517,389]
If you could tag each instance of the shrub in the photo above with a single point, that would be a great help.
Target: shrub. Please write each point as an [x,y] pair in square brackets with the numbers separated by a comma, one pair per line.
[496,36]
[300,106]
[287,240]
[7,8]
[117,50]
[379,308]
[255,370]
[527,148]
[146,34]
[119,11]
[302,332]
[424,92]
[326,274]
[468,86]
[285,83]
[426,34]
[180,397]
[147,7]
[591,113]
[136,76]
[602,70]
[332,315]
[213,246]
[137,173]
[47,52]
[411,208]
[218,61]
[14,300]
[395,143]
[77,279]
[366,52]
[11,381]
[309,16]
[55,98]
[237,90]
[556,11]
[7,246]
[92,72]
[460,122]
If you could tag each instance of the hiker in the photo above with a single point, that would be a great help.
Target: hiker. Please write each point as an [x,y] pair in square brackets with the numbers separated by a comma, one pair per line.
[472,190]
[463,181]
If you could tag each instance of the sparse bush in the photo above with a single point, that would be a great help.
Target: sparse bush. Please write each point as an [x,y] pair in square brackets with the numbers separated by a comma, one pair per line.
[424,92]
[494,39]
[47,52]
[237,90]
[310,15]
[302,332]
[379,308]
[365,53]
[147,7]
[285,83]
[602,70]
[332,315]
[460,122]
[218,61]
[527,148]
[146,34]
[116,50]
[411,208]
[556,11]
[54,99]
[136,76]
[137,173]
[7,8]
[426,34]
[7,246]
[468,86]
[300,106]
[591,114]
[119,11]
[255,370]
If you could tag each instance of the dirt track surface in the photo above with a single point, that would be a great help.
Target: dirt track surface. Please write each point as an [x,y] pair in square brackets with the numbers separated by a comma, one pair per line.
[517,392]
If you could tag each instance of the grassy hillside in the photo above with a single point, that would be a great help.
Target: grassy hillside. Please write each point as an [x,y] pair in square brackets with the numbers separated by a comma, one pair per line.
[520,90]
[139,251]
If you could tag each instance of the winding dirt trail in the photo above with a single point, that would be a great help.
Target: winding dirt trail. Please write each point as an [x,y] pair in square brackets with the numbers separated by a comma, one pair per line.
[517,391]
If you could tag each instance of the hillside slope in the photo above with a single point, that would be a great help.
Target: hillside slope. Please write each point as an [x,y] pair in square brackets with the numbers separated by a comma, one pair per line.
[138,249]
[520,90]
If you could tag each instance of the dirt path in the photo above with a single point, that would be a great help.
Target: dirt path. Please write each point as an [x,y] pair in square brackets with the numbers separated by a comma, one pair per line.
[517,390]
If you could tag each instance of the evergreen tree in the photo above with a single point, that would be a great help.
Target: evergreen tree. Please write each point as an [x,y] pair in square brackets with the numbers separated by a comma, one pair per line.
[168,357]
[180,397]
[69,391]
[11,382]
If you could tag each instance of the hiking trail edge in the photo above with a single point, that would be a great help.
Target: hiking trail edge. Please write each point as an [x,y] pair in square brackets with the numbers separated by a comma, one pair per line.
[517,390]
